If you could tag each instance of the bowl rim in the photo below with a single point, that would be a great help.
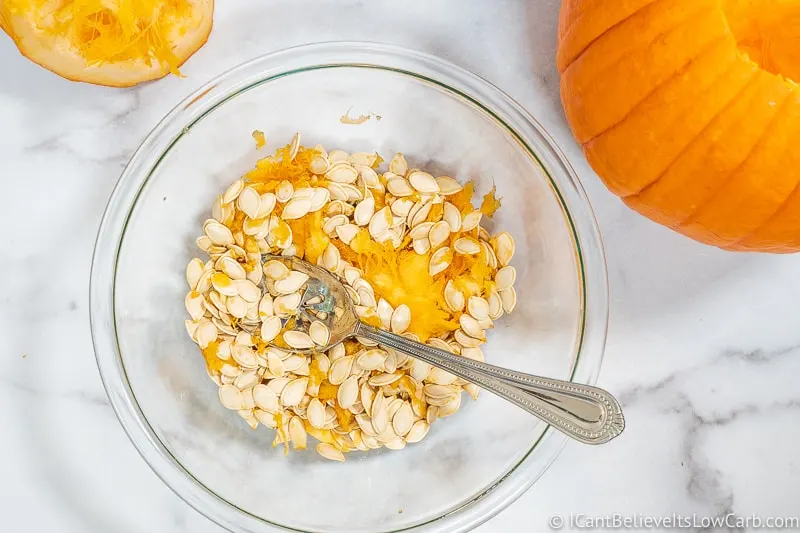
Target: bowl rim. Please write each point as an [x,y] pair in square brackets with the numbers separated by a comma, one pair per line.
[526,130]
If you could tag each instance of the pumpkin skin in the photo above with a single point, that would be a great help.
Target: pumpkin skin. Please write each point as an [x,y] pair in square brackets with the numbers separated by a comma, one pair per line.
[688,111]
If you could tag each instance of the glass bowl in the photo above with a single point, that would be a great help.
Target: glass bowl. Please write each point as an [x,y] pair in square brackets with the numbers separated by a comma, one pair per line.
[471,465]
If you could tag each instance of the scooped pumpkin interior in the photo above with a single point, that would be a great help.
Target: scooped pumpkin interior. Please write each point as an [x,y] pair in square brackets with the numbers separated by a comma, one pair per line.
[109,42]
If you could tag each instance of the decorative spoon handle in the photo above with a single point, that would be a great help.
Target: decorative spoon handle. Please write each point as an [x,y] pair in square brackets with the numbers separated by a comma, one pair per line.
[587,414]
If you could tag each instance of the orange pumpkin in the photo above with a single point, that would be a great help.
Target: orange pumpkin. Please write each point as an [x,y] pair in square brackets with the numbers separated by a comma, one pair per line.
[108,42]
[688,112]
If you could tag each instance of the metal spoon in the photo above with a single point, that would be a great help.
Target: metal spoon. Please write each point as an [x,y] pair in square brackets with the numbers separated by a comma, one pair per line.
[588,414]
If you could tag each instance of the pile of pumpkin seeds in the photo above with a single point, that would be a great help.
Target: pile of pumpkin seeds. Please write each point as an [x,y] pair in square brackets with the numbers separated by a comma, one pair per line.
[357,396]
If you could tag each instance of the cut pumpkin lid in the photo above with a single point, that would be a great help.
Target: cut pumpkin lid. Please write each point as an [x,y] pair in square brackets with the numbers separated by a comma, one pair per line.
[118,43]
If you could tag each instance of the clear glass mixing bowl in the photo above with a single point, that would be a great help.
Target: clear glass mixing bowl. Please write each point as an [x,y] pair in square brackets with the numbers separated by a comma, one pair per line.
[472,464]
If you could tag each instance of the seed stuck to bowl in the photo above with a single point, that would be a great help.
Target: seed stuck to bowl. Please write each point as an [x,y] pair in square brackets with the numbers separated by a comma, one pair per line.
[415,260]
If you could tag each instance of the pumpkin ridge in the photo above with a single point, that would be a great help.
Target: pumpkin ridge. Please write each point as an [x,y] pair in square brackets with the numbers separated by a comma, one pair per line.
[778,212]
[565,36]
[747,243]
[711,46]
[724,182]
[659,36]
[725,108]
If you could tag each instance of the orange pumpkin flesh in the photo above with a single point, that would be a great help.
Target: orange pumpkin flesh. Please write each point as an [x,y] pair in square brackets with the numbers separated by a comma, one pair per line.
[108,42]
[687,110]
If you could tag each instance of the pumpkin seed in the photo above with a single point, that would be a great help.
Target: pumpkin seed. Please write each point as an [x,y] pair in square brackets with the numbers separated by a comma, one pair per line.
[401,319]
[423,182]
[319,333]
[346,232]
[266,398]
[249,201]
[231,397]
[284,191]
[294,146]
[232,192]
[348,392]
[291,283]
[508,298]
[293,392]
[297,433]
[319,164]
[297,340]
[398,187]
[440,260]
[398,165]
[504,247]
[448,185]
[270,328]
[341,173]
[328,451]
[316,413]
[194,270]
[421,246]
[296,208]
[466,246]
[402,206]
[478,308]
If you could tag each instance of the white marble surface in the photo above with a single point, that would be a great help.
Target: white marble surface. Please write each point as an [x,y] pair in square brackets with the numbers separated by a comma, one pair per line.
[703,349]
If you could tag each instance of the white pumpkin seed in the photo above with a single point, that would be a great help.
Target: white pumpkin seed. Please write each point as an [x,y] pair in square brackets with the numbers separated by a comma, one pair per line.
[466,246]
[219,234]
[348,392]
[385,311]
[319,333]
[423,182]
[508,298]
[440,377]
[270,328]
[319,164]
[328,451]
[194,270]
[342,173]
[316,413]
[296,208]
[421,246]
[291,283]
[286,305]
[380,380]
[329,226]
[505,278]
[284,191]
[465,340]
[439,233]
[364,211]
[293,392]
[401,319]
[340,370]
[266,398]
[398,165]
[403,420]
[298,340]
[402,206]
[231,397]
[249,201]
[206,333]
[236,306]
[232,192]
[319,199]
[421,231]
[380,222]
[440,260]
[448,185]
[346,232]
[504,247]
[398,187]
[478,308]
[297,433]
[275,270]
[452,216]
[417,432]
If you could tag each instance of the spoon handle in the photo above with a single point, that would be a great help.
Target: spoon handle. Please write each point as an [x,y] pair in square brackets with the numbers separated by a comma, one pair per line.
[587,414]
